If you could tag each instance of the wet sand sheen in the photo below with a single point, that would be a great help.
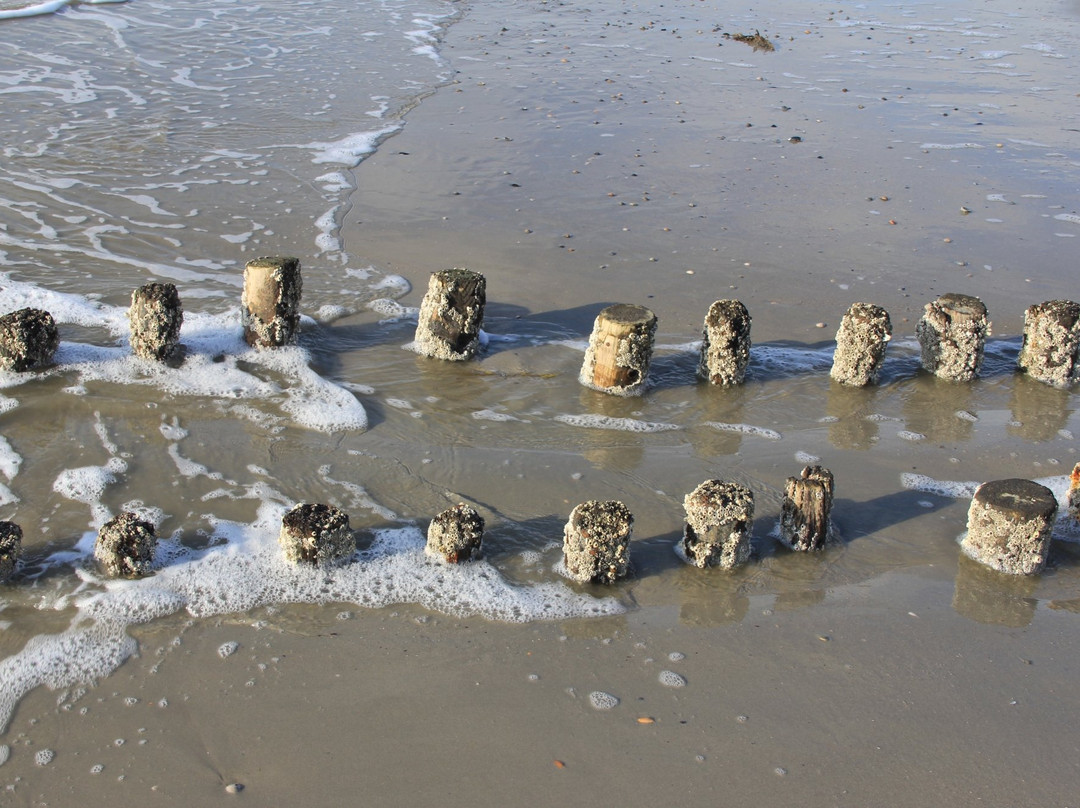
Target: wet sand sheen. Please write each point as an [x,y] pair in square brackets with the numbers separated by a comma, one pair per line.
[861,672]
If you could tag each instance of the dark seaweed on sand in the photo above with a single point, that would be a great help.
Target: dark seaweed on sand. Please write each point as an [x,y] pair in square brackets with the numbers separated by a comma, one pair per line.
[755,41]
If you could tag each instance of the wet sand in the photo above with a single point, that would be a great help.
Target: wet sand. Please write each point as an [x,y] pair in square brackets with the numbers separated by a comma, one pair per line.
[887,670]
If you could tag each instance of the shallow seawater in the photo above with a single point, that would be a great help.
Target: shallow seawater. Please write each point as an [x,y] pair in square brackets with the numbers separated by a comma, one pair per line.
[175,144]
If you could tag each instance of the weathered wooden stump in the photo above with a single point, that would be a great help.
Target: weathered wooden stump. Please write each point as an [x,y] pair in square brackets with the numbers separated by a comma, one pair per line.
[1051,348]
[805,522]
[28,340]
[1073,501]
[156,316]
[725,344]
[10,549]
[451,315]
[596,542]
[620,350]
[864,332]
[952,335]
[455,534]
[270,304]
[125,546]
[1009,526]
[316,534]
[719,518]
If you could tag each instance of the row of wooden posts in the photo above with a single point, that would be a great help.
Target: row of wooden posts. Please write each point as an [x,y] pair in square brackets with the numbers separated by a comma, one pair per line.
[952,332]
[1009,529]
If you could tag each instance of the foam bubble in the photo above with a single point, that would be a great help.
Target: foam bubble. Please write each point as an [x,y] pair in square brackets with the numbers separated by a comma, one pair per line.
[671,679]
[43,757]
[676,656]
[944,488]
[911,436]
[746,429]
[227,649]
[603,701]
[491,415]
[5,753]
[618,424]
[806,458]
[9,459]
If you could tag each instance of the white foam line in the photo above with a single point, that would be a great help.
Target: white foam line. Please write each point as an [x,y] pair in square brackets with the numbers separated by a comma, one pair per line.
[746,429]
[29,11]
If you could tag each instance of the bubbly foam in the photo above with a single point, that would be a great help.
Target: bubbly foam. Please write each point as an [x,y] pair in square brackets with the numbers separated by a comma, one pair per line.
[600,700]
[746,429]
[619,424]
[245,569]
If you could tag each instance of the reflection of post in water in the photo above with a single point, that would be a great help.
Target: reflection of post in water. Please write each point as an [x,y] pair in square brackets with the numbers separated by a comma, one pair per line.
[987,596]
[725,405]
[939,409]
[1039,411]
[611,449]
[713,597]
[850,408]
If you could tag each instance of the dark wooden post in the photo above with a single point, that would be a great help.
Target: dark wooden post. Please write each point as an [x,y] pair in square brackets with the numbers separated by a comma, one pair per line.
[452,314]
[316,534]
[719,518]
[28,340]
[952,334]
[125,546]
[10,549]
[805,514]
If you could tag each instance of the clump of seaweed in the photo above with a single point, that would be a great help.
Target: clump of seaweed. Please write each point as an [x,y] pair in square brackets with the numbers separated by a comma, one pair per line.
[754,40]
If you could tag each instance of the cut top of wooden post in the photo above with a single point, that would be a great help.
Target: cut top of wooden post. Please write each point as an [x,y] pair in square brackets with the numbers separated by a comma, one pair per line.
[271,300]
[620,350]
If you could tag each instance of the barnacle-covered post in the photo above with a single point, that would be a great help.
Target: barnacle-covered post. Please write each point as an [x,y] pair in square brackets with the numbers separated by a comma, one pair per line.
[719,518]
[125,546]
[725,344]
[316,534]
[28,340]
[455,534]
[156,316]
[1009,525]
[452,314]
[952,334]
[864,332]
[620,350]
[10,549]
[270,304]
[1051,347]
[805,514]
[596,542]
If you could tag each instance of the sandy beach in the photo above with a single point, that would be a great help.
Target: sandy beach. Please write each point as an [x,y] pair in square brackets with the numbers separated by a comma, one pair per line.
[577,155]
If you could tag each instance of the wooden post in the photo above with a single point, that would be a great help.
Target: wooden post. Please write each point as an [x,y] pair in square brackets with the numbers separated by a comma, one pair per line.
[316,534]
[125,546]
[28,340]
[620,350]
[725,344]
[455,534]
[1009,526]
[719,518]
[1073,501]
[596,542]
[864,332]
[270,304]
[805,522]
[952,334]
[155,316]
[451,315]
[10,549]
[1051,346]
